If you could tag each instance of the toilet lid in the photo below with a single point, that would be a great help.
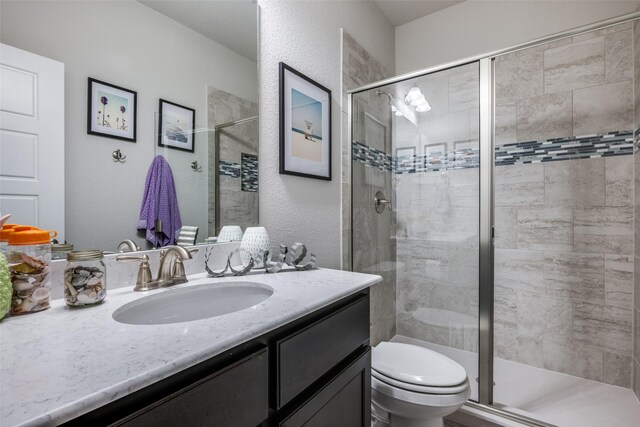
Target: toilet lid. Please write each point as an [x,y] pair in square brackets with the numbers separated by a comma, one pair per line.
[416,365]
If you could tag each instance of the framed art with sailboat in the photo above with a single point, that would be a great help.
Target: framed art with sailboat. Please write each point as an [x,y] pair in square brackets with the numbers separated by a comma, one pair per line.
[305,126]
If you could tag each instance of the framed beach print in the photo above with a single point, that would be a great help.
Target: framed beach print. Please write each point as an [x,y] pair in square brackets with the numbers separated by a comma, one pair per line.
[111,111]
[176,125]
[305,126]
[405,158]
[434,154]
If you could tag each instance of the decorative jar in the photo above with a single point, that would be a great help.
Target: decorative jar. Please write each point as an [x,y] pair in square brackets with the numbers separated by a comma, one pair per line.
[85,278]
[29,256]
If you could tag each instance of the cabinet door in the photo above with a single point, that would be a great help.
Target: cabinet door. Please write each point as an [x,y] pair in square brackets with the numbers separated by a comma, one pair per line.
[310,353]
[236,396]
[344,402]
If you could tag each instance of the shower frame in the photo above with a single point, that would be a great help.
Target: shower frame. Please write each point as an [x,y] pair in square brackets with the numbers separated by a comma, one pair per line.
[486,224]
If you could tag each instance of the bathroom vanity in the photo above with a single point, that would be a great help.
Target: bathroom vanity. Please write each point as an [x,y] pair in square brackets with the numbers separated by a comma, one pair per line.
[300,357]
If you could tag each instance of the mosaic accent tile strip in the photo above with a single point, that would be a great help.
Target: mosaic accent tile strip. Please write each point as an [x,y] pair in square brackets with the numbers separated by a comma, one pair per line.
[249,167]
[229,169]
[371,157]
[458,159]
[617,143]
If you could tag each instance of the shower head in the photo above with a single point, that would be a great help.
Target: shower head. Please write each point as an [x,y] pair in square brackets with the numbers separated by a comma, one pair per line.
[399,108]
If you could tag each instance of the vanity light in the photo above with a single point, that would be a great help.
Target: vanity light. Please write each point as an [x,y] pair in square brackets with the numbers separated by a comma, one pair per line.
[423,106]
[413,95]
[416,99]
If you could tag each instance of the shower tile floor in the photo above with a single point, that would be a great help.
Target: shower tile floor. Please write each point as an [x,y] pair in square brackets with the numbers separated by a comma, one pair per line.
[552,397]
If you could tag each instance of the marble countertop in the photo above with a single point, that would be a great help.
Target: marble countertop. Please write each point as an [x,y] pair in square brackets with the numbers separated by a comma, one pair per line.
[62,363]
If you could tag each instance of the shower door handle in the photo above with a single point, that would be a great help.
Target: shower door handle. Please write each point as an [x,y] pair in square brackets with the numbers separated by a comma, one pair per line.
[381,202]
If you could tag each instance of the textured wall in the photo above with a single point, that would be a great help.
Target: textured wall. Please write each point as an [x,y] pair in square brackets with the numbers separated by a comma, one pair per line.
[564,229]
[477,27]
[102,197]
[306,36]
[237,207]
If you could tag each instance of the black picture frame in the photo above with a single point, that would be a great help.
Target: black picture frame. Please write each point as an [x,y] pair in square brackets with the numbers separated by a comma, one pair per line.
[285,168]
[127,133]
[190,143]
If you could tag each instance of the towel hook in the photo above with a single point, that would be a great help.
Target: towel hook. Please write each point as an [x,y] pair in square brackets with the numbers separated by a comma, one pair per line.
[195,166]
[118,156]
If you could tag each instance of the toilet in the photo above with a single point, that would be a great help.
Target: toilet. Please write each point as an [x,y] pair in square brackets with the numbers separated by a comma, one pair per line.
[413,386]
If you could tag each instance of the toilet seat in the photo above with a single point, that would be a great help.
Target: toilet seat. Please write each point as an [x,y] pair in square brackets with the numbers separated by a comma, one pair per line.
[420,388]
[416,368]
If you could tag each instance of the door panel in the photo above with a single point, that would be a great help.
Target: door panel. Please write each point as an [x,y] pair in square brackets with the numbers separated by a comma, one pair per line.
[32,139]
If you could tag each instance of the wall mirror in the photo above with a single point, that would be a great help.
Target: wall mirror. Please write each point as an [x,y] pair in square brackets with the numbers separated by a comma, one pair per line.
[141,79]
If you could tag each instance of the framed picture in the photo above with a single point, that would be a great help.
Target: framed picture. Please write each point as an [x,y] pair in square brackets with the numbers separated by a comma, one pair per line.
[176,125]
[405,158]
[434,154]
[111,111]
[305,126]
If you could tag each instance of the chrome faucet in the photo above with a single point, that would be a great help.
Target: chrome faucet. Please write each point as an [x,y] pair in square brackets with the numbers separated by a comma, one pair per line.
[169,273]
[167,268]
[128,245]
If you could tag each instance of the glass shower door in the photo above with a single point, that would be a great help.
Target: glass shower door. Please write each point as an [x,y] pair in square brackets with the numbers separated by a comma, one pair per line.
[417,143]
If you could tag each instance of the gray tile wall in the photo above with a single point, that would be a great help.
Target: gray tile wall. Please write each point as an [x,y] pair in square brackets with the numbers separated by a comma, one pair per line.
[437,217]
[564,257]
[374,248]
[237,207]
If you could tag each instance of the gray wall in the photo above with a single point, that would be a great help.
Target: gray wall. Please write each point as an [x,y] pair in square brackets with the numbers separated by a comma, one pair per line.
[127,44]
[302,209]
[564,257]
[477,27]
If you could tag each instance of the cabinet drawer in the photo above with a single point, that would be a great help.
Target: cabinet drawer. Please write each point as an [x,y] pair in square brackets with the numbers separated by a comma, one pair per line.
[235,396]
[344,402]
[308,354]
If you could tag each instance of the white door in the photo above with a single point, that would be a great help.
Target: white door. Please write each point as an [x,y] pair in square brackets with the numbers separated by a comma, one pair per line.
[32,139]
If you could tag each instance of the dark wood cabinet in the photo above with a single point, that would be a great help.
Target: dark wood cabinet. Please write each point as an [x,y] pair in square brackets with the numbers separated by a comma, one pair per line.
[314,371]
[342,402]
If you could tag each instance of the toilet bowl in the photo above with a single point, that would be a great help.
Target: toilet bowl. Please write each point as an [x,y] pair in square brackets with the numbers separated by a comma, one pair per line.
[416,386]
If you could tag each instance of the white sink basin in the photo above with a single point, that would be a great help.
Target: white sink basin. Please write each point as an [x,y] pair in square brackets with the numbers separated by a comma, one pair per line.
[193,303]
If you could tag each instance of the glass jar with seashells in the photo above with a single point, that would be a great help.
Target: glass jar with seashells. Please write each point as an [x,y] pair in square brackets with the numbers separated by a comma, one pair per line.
[29,256]
[85,278]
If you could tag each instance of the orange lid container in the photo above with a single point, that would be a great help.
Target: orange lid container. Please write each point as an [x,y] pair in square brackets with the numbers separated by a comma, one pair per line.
[23,235]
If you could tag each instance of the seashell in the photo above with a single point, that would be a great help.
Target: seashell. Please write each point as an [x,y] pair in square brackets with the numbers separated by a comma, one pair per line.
[71,289]
[97,274]
[83,272]
[34,262]
[24,268]
[22,285]
[86,298]
[27,305]
[41,293]
[78,281]
[94,281]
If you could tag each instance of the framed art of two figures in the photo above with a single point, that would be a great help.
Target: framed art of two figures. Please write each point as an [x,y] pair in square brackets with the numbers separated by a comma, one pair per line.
[112,113]
[305,126]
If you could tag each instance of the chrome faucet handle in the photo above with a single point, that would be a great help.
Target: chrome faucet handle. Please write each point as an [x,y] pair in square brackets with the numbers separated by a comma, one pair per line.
[381,202]
[144,282]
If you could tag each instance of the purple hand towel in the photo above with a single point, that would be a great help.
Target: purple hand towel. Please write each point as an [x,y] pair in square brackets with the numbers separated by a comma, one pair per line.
[160,202]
